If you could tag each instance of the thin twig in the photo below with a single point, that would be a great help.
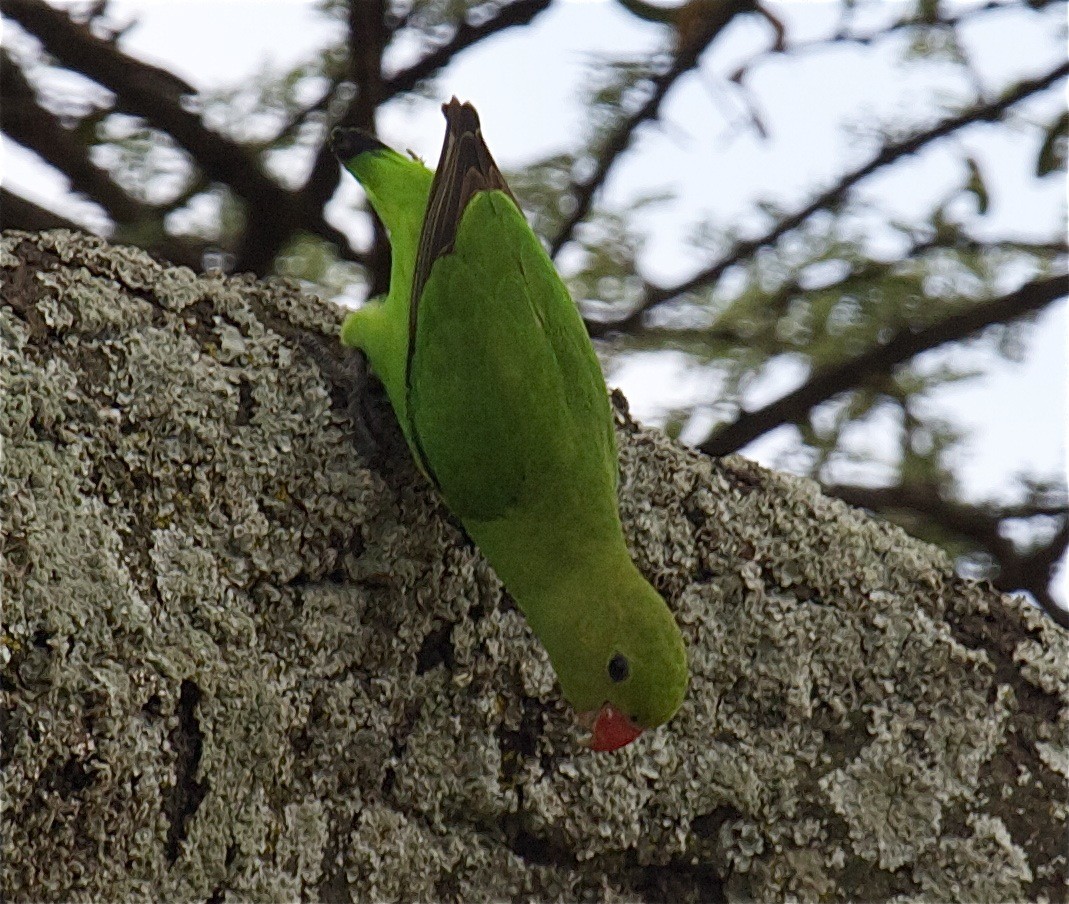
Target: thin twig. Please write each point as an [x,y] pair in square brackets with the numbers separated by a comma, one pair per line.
[868,38]
[888,154]
[686,58]
[519,12]
[868,271]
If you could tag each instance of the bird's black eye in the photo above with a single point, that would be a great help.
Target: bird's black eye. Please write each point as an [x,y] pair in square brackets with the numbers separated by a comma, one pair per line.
[619,668]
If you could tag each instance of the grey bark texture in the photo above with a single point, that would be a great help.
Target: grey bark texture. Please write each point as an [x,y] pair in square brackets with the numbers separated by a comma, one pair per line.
[246,654]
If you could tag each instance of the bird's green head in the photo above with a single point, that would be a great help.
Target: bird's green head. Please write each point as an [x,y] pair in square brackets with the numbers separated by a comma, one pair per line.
[620,659]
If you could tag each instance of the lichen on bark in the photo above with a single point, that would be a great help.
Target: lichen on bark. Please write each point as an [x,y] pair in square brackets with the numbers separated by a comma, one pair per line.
[245,654]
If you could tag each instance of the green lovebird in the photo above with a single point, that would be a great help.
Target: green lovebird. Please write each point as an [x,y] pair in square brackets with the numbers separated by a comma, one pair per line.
[492,376]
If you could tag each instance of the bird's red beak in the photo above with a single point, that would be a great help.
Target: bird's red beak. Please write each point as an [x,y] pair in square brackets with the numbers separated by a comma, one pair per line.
[609,728]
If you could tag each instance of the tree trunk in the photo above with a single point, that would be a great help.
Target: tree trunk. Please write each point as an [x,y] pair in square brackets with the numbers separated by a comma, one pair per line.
[247,655]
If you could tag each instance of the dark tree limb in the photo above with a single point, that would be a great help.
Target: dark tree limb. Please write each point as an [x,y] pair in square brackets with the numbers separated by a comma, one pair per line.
[73,44]
[25,121]
[1018,571]
[368,37]
[882,359]
[138,91]
[17,212]
[1029,510]
[369,33]
[273,213]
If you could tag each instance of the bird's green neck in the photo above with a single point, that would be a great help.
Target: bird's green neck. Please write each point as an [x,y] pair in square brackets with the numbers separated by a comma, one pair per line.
[533,558]
[571,587]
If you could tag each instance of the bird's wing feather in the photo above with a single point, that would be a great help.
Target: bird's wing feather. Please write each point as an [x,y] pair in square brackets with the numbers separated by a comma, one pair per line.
[506,396]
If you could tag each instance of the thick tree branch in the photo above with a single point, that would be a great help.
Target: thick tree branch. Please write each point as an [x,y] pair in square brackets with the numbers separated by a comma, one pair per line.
[17,212]
[888,154]
[979,525]
[258,658]
[883,359]
[25,121]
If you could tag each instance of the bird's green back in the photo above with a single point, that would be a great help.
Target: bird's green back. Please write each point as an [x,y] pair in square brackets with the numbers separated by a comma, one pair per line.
[505,388]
